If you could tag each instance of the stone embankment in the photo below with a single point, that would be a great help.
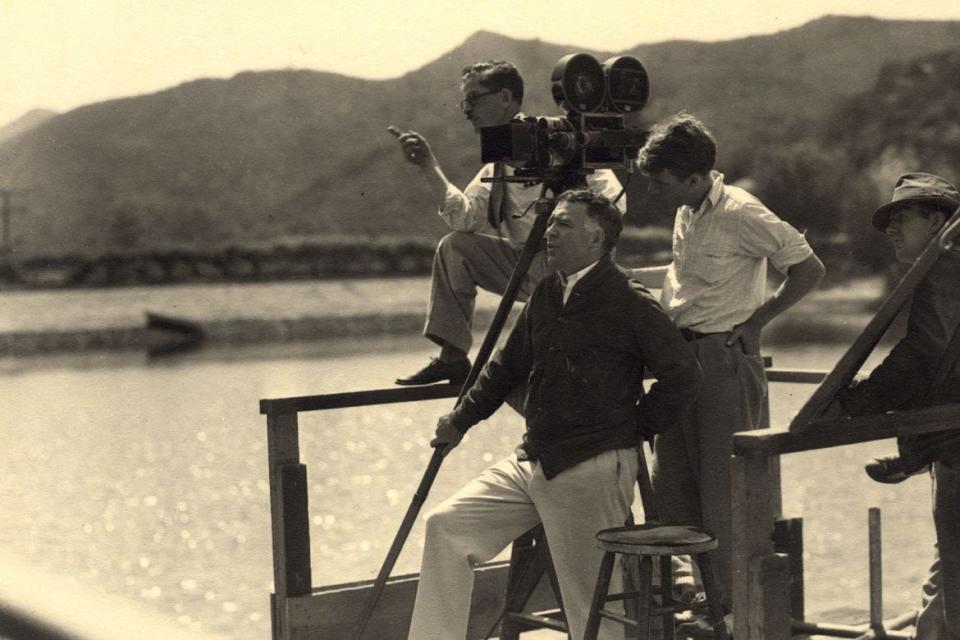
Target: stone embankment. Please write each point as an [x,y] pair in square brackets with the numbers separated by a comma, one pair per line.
[36,322]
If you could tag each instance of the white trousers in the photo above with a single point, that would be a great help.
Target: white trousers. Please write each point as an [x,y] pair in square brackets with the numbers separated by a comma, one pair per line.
[508,499]
[464,261]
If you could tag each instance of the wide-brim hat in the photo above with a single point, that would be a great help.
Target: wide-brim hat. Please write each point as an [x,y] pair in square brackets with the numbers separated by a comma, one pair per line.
[917,188]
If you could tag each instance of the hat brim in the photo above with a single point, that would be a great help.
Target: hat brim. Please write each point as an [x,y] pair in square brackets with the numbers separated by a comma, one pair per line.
[881,217]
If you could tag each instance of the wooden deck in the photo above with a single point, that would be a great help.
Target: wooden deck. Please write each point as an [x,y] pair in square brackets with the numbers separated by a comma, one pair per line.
[767,550]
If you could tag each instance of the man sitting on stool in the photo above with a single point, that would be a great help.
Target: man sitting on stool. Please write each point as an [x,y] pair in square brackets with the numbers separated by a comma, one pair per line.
[583,342]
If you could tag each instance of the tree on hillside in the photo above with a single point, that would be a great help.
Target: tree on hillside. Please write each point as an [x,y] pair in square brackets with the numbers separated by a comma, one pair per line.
[126,230]
[810,186]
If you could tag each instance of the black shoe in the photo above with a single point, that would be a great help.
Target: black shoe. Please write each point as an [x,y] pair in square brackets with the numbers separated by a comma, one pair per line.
[456,372]
[891,470]
[699,626]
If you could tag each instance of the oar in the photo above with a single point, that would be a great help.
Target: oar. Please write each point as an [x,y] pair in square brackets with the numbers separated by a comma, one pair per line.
[530,249]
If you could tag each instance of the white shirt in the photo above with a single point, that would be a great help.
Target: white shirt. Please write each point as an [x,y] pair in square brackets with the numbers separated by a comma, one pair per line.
[720,250]
[467,210]
[572,279]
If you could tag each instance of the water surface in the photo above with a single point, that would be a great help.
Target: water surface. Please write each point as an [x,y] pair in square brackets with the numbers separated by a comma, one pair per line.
[148,479]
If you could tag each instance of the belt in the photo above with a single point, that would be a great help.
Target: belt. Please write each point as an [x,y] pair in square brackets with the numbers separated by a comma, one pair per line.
[690,335]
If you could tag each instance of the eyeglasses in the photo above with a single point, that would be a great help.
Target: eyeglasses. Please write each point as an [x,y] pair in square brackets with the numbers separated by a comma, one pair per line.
[471,99]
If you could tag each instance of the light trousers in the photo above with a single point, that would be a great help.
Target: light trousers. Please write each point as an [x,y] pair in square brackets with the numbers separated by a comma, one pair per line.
[464,261]
[508,499]
[691,465]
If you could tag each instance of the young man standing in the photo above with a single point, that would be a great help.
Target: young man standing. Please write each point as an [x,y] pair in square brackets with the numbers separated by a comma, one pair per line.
[490,222]
[582,343]
[715,290]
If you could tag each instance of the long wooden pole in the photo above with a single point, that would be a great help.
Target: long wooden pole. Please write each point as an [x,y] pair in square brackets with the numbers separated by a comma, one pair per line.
[530,249]
[861,348]
[876,572]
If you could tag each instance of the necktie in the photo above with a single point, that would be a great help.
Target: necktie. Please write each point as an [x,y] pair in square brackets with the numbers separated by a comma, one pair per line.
[497,202]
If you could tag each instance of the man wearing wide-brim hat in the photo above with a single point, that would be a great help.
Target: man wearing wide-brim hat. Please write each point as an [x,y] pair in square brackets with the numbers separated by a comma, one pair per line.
[922,370]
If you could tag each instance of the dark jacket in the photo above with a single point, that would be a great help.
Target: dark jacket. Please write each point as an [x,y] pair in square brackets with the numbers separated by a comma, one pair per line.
[583,363]
[903,379]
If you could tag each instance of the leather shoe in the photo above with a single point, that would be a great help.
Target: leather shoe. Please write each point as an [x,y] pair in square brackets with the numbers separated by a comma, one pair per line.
[700,627]
[695,599]
[437,371]
[891,470]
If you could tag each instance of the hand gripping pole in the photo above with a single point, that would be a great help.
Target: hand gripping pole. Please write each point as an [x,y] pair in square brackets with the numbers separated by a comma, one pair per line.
[530,248]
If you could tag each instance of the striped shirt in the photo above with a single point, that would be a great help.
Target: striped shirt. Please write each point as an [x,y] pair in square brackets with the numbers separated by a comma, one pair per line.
[720,251]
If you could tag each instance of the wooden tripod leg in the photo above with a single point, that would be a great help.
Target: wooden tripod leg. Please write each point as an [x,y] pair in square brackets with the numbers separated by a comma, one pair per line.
[530,248]
[529,561]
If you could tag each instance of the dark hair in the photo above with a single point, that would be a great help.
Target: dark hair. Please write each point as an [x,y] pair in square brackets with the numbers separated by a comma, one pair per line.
[601,210]
[496,75]
[682,145]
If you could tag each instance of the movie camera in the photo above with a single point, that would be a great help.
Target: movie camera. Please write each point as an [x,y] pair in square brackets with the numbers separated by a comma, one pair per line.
[561,150]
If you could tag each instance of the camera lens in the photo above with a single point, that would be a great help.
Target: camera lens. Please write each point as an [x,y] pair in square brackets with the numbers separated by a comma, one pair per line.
[628,86]
[578,83]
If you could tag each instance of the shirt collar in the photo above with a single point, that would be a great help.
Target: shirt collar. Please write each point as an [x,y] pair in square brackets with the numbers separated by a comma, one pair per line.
[572,279]
[713,196]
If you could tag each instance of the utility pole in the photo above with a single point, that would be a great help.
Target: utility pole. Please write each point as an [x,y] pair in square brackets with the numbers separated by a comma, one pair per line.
[7,210]
[6,247]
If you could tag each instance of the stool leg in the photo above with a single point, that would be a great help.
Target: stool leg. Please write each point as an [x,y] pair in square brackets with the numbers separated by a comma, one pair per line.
[666,599]
[645,599]
[712,590]
[599,596]
[631,582]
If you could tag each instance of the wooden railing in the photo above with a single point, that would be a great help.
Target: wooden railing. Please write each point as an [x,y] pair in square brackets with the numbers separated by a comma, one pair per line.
[767,586]
[298,609]
[762,576]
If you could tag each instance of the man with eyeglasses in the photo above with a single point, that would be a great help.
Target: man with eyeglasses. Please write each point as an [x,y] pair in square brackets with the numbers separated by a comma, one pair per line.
[490,223]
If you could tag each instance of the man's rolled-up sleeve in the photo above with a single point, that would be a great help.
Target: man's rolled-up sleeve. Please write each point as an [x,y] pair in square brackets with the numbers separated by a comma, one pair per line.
[762,234]
[467,210]
[604,181]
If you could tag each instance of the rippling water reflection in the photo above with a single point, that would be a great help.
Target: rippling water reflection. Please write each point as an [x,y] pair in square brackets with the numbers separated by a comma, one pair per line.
[148,480]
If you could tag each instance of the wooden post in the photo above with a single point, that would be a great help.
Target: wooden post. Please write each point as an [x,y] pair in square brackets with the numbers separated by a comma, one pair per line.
[876,572]
[788,539]
[775,492]
[770,579]
[760,578]
[289,517]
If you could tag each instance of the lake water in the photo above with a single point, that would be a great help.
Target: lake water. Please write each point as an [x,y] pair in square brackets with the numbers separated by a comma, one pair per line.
[148,479]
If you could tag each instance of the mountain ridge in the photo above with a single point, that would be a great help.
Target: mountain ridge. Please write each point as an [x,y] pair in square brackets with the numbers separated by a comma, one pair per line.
[282,153]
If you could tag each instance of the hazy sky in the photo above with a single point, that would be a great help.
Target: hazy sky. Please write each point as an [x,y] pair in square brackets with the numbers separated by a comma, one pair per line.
[62,54]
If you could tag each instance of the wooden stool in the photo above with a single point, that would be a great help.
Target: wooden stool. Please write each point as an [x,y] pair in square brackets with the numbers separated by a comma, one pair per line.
[641,543]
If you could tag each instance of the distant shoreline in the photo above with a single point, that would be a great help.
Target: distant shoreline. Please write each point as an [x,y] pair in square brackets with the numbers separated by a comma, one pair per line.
[63,321]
